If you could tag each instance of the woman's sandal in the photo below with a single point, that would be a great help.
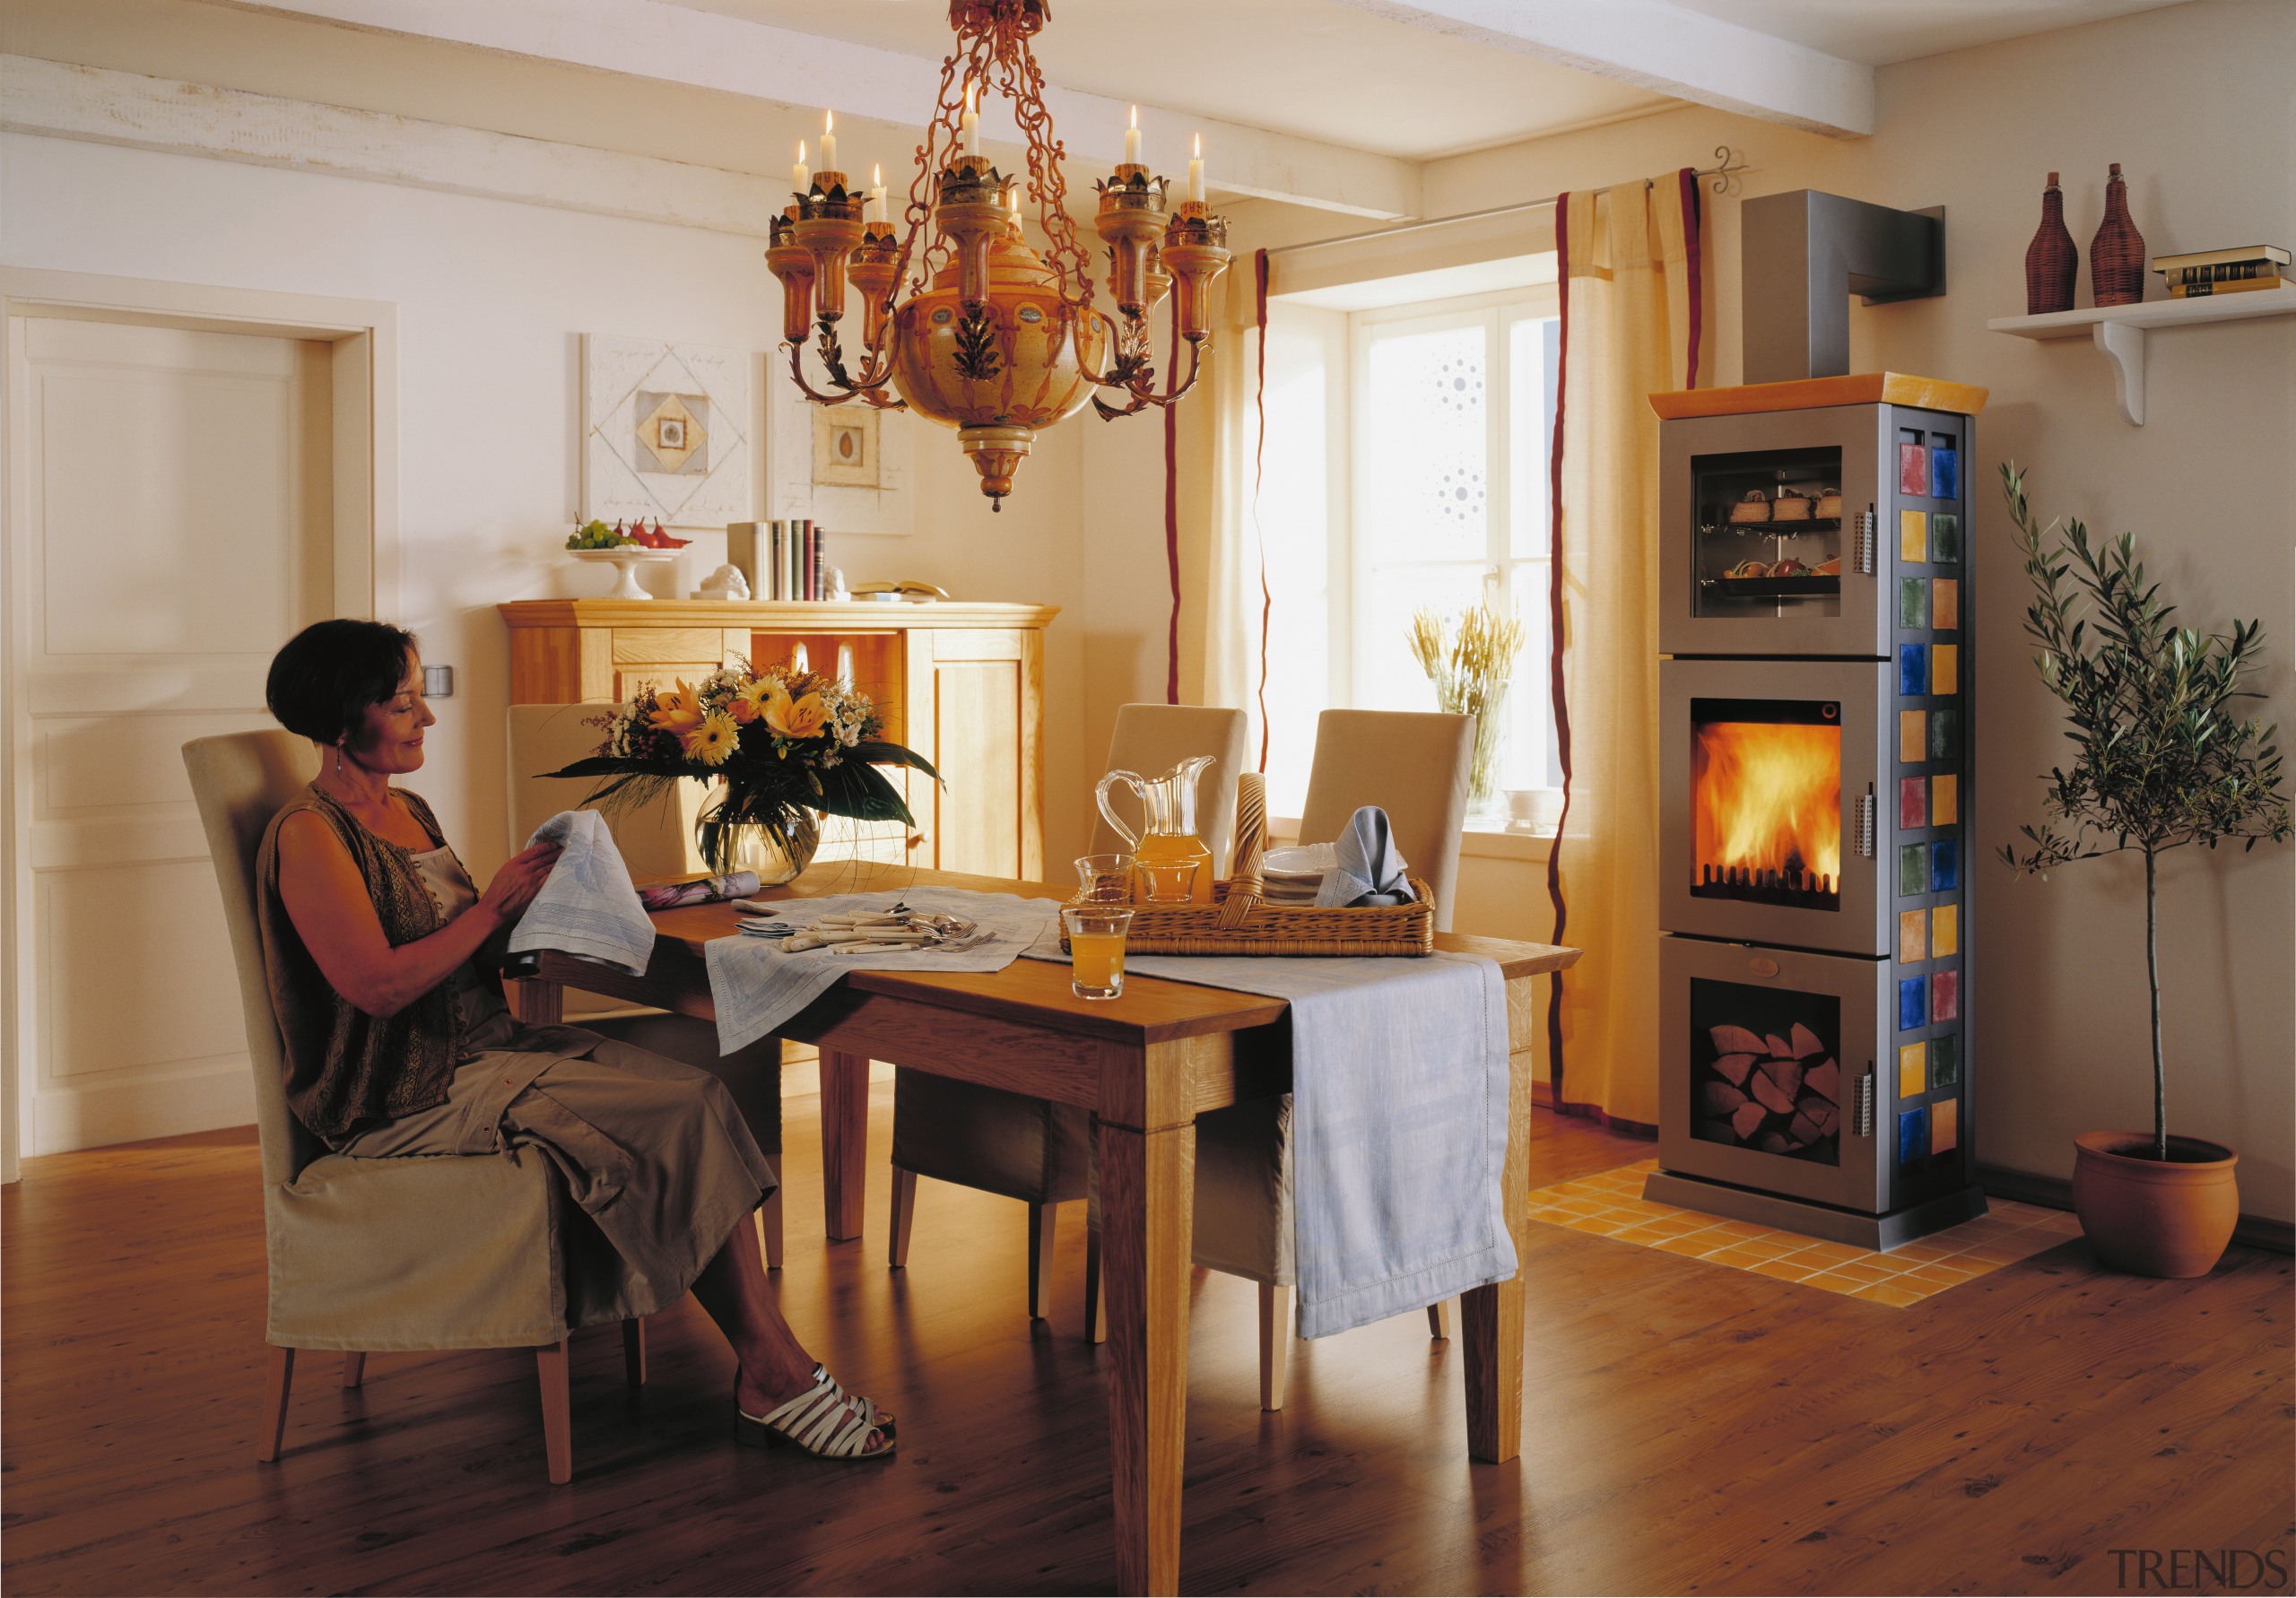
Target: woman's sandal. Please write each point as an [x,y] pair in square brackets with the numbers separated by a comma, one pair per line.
[825,1420]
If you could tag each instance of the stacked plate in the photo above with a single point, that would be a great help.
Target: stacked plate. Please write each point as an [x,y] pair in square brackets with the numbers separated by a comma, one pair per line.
[1295,876]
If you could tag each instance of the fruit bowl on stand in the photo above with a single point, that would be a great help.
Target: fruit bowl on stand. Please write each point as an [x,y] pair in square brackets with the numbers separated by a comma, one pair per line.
[629,558]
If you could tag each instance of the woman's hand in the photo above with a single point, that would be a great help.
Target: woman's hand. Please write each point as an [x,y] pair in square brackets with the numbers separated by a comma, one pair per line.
[515,885]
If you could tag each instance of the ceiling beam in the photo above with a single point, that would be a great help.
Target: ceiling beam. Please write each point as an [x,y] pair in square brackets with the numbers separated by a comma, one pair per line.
[704,50]
[1664,48]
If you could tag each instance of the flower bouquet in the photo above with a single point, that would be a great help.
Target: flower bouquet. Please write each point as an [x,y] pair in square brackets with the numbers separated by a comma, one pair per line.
[788,746]
[1470,671]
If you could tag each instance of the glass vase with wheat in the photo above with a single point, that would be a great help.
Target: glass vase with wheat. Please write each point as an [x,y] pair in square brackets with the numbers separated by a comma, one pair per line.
[1470,667]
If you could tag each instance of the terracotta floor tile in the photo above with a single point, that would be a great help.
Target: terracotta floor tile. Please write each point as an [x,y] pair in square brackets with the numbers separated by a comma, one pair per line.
[1690,1248]
[1920,1253]
[2065,1224]
[1888,1293]
[1943,1276]
[1783,1269]
[1639,1233]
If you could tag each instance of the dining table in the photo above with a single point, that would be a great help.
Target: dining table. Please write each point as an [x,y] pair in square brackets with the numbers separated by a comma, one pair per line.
[1146,1063]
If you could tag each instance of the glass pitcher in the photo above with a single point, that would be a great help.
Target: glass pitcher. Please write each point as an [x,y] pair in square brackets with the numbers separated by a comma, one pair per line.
[1170,861]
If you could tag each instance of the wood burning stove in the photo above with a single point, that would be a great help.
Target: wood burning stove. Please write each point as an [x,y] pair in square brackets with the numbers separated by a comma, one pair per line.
[1816,733]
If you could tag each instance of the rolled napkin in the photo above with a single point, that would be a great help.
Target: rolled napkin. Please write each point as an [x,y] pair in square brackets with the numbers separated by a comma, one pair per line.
[1368,870]
[709,890]
[587,907]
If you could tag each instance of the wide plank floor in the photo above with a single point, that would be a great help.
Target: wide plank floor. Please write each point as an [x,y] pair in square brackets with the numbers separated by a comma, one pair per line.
[1689,1426]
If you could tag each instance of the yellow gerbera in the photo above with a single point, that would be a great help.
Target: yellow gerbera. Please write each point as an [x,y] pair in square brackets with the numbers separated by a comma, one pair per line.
[804,719]
[713,740]
[677,709]
[754,698]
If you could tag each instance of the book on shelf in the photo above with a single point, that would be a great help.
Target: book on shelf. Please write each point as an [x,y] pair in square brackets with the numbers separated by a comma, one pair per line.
[2218,257]
[2225,271]
[2208,290]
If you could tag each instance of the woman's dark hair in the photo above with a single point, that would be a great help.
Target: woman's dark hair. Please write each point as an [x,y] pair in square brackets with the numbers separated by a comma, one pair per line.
[324,678]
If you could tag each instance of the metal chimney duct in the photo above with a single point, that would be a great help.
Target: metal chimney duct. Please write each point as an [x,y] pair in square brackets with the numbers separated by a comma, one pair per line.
[1803,253]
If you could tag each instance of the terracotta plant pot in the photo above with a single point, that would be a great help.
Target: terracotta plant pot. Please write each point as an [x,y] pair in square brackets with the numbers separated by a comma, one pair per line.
[2151,1217]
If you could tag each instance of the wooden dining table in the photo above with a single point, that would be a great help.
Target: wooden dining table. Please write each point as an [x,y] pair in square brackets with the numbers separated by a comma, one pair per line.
[1146,1063]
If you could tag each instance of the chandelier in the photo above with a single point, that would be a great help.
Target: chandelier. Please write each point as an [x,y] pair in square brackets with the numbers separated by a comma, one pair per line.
[964,323]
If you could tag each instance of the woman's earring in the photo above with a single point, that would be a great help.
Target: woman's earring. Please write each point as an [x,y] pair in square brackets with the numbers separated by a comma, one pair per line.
[338,759]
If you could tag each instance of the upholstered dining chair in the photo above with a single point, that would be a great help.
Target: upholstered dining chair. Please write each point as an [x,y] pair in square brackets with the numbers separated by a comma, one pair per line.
[1417,768]
[1030,1149]
[453,1252]
[655,841]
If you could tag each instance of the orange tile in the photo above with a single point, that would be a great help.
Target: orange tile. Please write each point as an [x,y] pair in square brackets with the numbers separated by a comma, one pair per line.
[1921,1252]
[1888,1293]
[1784,1270]
[1943,1276]
[1830,1253]
[1834,1281]
[1600,1228]
[1691,1248]
[1639,1233]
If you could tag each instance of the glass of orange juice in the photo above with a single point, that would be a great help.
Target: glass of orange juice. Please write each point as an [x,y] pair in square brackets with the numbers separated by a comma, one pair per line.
[1104,878]
[1096,949]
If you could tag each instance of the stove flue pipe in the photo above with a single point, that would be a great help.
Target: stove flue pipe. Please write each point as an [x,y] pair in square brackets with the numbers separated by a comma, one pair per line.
[1803,253]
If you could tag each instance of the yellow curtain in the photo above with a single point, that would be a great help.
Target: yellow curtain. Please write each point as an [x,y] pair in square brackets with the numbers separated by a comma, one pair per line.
[1219,541]
[1631,317]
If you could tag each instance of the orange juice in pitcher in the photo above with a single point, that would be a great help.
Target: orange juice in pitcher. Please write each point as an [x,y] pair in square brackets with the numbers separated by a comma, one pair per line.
[1170,864]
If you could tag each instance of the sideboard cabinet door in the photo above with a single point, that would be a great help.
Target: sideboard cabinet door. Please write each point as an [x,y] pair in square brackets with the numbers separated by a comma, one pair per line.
[976,710]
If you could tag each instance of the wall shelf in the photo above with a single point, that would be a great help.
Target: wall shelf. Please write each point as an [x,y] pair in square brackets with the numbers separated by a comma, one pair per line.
[2120,330]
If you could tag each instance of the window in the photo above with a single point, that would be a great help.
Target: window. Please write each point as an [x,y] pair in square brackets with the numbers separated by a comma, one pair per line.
[1407,466]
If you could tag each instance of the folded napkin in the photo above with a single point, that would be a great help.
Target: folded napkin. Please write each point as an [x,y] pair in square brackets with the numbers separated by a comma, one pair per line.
[587,907]
[1367,871]
[676,896]
[755,985]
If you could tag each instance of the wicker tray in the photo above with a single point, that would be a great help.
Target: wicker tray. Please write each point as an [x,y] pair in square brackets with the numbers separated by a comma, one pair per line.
[1239,921]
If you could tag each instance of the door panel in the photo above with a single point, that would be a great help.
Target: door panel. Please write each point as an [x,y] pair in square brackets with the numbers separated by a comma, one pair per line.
[180,530]
[978,712]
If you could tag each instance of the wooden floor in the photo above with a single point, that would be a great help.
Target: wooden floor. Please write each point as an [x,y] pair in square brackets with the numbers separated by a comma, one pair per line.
[1690,1427]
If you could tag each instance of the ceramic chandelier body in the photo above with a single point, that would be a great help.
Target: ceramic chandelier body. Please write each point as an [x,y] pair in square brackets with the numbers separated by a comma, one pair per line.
[963,322]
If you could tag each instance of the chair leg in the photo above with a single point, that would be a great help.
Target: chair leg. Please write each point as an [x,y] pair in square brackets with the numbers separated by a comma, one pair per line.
[633,1351]
[1096,1320]
[557,1413]
[1275,1342]
[354,1370]
[1438,1320]
[769,1218]
[1043,1225]
[904,1216]
[278,1375]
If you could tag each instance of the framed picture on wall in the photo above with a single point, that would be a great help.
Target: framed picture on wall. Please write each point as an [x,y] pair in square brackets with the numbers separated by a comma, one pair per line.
[665,432]
[845,446]
[847,468]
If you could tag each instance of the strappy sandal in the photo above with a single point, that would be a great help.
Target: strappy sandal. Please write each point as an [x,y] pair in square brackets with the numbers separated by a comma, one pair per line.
[825,1420]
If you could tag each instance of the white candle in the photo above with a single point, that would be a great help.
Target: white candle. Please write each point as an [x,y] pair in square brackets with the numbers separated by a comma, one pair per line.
[829,140]
[801,174]
[1195,172]
[971,126]
[876,211]
[1132,140]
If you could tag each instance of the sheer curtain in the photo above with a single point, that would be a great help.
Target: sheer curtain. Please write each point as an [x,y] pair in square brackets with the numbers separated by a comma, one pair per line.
[1632,326]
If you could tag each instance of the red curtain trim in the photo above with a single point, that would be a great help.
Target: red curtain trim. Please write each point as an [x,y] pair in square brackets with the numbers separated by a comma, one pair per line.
[1695,268]
[1543,1097]
[1554,630]
[1172,551]
[1259,458]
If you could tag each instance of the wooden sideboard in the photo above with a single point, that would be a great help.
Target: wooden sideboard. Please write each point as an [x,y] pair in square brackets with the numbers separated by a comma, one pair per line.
[961,683]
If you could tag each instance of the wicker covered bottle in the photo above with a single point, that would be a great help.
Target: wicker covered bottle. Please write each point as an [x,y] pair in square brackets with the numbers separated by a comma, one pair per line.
[2117,254]
[2052,260]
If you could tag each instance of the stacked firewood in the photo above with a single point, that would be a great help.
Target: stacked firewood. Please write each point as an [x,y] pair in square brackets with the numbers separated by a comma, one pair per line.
[1779,1095]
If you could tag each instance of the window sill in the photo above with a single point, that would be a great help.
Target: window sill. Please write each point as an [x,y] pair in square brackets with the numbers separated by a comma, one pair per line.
[1476,843]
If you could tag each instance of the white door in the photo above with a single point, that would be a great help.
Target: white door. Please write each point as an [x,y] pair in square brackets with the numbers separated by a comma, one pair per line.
[179,530]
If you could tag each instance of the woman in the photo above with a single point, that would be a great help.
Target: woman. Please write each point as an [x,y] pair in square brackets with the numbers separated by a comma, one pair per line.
[381,952]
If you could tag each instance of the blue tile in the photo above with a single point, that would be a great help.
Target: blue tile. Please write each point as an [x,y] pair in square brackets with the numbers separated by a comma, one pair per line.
[1944,865]
[1913,1134]
[1913,1003]
[1945,473]
[1913,669]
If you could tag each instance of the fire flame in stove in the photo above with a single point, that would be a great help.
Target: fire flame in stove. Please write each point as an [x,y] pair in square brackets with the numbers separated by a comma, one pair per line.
[1767,799]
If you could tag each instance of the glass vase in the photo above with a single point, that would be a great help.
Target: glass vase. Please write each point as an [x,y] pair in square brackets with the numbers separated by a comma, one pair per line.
[1490,732]
[752,845]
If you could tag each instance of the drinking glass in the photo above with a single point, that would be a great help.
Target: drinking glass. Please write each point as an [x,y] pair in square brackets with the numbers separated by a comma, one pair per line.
[1104,878]
[1096,949]
[1170,881]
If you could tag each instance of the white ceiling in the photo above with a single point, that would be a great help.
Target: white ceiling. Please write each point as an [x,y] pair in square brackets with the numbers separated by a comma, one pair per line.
[1878,32]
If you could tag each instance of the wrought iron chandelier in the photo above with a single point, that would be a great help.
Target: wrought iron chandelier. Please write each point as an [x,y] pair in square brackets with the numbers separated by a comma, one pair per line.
[992,338]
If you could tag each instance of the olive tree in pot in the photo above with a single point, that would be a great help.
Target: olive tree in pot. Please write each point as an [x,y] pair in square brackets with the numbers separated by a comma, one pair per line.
[2159,760]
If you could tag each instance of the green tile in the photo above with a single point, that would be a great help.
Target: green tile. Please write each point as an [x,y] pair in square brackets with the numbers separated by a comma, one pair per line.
[1913,869]
[1944,536]
[1946,1060]
[1944,733]
[1913,601]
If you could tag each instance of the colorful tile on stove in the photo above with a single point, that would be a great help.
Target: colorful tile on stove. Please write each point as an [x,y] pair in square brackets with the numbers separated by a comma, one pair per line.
[1946,537]
[1944,733]
[1913,1004]
[1944,668]
[1913,469]
[1946,1060]
[1913,1134]
[1913,735]
[1913,802]
[1913,1069]
[1913,869]
[1913,601]
[1944,1126]
[1944,473]
[1913,537]
[1944,865]
[1945,995]
[1945,930]
[1913,668]
[1945,800]
[1946,605]
[1912,930]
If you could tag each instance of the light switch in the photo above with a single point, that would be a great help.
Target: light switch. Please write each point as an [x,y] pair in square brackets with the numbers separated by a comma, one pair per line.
[437,683]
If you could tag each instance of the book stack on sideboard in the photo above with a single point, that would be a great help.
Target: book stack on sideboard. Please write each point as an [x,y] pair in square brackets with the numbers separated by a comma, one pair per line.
[781,561]
[2245,269]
